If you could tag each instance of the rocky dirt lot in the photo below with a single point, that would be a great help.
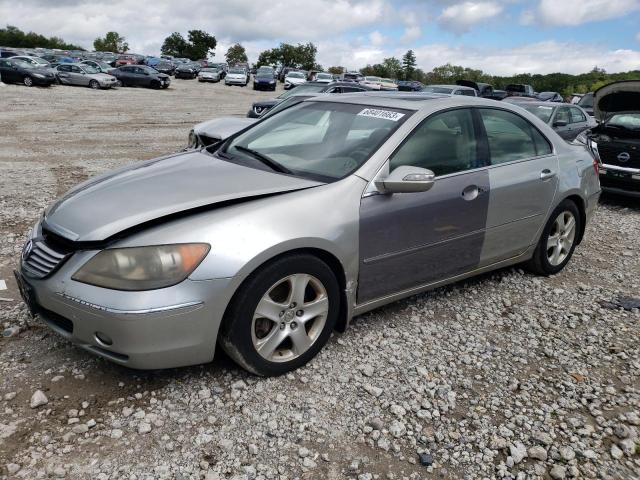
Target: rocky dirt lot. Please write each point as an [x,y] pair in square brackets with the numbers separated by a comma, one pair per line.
[504,376]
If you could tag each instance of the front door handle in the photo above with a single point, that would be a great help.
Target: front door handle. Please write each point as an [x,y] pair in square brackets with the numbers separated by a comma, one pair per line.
[471,192]
[546,174]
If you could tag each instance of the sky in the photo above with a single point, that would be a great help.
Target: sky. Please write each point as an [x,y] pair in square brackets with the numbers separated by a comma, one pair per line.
[501,37]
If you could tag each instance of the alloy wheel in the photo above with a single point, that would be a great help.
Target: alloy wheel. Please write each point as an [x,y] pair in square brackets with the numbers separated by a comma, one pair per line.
[561,238]
[290,317]
[28,81]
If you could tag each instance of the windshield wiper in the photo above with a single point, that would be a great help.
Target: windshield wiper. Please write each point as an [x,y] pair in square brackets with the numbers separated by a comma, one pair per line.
[264,159]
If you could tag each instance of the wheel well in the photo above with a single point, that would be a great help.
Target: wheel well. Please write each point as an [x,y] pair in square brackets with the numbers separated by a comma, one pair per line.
[583,214]
[335,266]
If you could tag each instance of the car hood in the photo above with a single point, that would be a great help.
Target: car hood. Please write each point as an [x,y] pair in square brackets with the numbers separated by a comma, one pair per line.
[147,191]
[224,127]
[616,97]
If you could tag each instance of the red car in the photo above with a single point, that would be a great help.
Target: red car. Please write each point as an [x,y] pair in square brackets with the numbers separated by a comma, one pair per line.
[126,60]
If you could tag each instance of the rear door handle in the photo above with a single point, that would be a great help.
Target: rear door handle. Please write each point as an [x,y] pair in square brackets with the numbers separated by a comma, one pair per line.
[546,174]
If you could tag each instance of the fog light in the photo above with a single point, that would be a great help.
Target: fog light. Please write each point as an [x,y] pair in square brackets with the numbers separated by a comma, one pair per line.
[103,339]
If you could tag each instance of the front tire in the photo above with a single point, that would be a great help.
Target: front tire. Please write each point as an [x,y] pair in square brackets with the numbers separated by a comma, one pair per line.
[94,85]
[28,81]
[282,315]
[558,240]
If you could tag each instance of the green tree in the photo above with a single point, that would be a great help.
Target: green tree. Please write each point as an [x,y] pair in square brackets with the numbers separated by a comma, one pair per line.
[393,68]
[409,64]
[14,37]
[199,45]
[287,55]
[336,70]
[112,42]
[236,54]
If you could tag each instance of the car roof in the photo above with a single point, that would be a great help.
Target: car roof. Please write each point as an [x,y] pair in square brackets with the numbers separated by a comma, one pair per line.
[455,87]
[541,104]
[415,101]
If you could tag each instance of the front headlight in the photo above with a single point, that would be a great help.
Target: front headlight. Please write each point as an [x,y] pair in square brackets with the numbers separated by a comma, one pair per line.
[142,268]
[272,81]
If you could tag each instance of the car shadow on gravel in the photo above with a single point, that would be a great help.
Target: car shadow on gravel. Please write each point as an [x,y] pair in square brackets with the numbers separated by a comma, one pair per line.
[620,201]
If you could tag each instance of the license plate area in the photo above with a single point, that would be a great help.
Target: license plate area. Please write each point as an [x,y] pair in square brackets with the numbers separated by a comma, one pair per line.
[27,293]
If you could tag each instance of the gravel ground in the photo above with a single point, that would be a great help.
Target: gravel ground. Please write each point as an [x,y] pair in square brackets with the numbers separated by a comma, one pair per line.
[503,376]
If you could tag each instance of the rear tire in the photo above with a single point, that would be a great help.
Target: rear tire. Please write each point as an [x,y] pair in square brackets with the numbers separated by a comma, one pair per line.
[282,315]
[558,240]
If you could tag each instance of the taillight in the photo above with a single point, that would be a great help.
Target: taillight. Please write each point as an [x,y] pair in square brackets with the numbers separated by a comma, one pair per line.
[596,166]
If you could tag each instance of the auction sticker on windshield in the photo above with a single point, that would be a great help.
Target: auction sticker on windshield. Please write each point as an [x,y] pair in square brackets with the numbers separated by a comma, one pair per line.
[384,114]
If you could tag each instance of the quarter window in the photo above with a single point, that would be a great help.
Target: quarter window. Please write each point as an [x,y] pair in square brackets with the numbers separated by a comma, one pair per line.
[511,137]
[563,115]
[577,116]
[444,143]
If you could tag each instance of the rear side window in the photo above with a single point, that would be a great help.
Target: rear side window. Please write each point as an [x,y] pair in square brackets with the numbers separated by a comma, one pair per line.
[577,116]
[444,143]
[511,137]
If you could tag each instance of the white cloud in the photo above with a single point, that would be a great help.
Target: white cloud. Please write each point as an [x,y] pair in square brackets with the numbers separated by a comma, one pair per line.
[543,57]
[577,12]
[376,38]
[638,36]
[462,16]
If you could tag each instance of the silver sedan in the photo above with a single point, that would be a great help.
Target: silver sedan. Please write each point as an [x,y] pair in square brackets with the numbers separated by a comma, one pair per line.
[267,242]
[84,75]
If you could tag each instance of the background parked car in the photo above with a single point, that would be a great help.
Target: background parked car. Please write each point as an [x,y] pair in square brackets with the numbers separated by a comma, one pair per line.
[484,90]
[265,79]
[451,90]
[374,83]
[141,76]
[567,120]
[323,77]
[388,85]
[186,70]
[260,108]
[586,102]
[126,60]
[520,90]
[18,71]
[84,76]
[352,77]
[550,97]
[410,86]
[293,79]
[209,75]
[236,76]
[101,66]
[165,67]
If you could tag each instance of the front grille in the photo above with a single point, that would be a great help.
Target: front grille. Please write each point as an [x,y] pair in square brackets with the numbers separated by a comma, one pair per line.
[610,151]
[40,260]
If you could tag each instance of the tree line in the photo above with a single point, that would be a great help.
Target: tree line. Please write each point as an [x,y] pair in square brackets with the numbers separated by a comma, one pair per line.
[200,45]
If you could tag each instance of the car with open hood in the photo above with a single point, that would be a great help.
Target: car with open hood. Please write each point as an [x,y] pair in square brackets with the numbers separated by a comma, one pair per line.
[267,242]
[616,139]
[85,76]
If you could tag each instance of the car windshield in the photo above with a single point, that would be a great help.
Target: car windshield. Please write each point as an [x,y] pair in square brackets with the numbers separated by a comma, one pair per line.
[323,76]
[515,88]
[546,95]
[104,65]
[321,140]
[90,68]
[543,112]
[237,71]
[373,79]
[586,101]
[210,70]
[444,90]
[630,121]
[295,75]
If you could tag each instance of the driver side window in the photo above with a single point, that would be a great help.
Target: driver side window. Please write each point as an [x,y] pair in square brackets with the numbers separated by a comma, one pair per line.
[444,143]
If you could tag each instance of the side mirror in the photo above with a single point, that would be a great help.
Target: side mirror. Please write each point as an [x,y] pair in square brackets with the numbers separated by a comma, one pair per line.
[407,179]
[560,123]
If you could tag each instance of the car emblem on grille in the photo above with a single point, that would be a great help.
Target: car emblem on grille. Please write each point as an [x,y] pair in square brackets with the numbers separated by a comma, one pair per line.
[624,157]
[26,251]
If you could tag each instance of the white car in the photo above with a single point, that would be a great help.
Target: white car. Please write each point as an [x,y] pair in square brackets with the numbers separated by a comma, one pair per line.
[323,77]
[293,79]
[236,76]
[374,83]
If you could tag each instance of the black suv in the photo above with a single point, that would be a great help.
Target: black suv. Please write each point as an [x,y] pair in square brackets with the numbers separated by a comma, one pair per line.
[17,71]
[140,76]
[616,140]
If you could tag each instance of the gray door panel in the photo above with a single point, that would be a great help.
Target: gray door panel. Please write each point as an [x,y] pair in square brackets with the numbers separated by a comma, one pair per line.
[416,238]
[519,203]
